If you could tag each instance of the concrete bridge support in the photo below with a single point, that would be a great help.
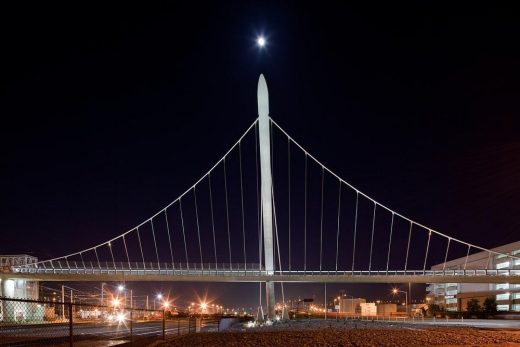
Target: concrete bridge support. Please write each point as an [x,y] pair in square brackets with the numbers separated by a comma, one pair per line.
[8,307]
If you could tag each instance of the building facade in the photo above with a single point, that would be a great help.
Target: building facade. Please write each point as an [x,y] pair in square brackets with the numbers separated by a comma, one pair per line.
[454,296]
[16,288]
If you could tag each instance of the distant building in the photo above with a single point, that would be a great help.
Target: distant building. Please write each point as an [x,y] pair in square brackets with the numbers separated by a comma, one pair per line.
[17,288]
[350,305]
[386,309]
[454,296]
[368,309]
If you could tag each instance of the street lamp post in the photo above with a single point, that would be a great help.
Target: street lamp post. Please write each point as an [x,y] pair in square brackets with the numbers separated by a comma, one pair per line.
[121,289]
[395,291]
[102,292]
[158,297]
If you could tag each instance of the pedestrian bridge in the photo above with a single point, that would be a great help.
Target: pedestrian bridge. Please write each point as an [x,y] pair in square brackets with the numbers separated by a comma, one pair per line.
[269,211]
[209,272]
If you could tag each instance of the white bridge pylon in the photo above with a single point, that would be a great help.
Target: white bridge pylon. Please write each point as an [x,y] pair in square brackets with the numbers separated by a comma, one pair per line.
[269,211]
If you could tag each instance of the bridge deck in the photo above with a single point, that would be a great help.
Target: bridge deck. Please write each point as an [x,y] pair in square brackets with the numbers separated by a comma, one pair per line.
[249,275]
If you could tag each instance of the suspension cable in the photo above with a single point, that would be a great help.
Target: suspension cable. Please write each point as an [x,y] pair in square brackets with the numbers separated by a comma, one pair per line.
[390,241]
[258,215]
[169,237]
[126,250]
[184,235]
[305,221]
[155,243]
[408,247]
[212,218]
[289,196]
[372,239]
[113,260]
[467,255]
[227,215]
[427,247]
[141,247]
[242,203]
[355,231]
[82,261]
[277,243]
[198,226]
[321,217]
[337,233]
[446,256]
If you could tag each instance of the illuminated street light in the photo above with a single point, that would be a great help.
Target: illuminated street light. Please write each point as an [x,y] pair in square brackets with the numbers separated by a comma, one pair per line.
[159,296]
[120,317]
[115,302]
[395,291]
[120,287]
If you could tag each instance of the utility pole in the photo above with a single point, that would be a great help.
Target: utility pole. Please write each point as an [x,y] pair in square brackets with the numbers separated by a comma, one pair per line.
[325,301]
[62,302]
[409,293]
[264,137]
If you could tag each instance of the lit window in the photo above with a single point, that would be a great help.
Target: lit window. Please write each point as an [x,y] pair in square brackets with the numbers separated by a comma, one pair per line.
[502,307]
[451,292]
[502,265]
[516,296]
[504,296]
[517,261]
[503,286]
[515,252]
[515,307]
[451,301]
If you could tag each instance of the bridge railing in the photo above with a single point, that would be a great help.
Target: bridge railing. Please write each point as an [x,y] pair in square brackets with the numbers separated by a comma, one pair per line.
[475,272]
[234,269]
[139,268]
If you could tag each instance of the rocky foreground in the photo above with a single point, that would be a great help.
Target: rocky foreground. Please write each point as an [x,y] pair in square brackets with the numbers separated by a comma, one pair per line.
[333,333]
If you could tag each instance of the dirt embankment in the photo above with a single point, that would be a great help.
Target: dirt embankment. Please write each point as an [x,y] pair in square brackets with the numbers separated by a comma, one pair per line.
[355,334]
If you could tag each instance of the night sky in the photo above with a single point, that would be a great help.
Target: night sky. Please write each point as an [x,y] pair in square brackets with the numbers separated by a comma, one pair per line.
[108,114]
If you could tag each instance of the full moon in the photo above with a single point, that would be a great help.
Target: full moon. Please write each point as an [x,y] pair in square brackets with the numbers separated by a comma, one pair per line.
[260,41]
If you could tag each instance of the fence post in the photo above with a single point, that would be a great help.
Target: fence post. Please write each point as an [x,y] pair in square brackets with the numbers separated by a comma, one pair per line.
[178,326]
[71,338]
[163,325]
[131,326]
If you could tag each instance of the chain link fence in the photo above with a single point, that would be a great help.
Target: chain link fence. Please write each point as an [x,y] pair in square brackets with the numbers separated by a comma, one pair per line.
[31,322]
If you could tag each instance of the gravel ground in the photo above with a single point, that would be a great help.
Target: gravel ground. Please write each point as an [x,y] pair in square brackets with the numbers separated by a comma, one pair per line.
[350,333]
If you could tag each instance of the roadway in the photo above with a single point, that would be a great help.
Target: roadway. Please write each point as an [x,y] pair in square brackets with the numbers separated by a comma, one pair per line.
[475,323]
[41,334]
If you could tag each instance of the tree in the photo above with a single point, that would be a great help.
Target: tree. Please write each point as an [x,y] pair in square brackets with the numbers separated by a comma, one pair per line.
[473,307]
[490,306]
[433,309]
